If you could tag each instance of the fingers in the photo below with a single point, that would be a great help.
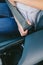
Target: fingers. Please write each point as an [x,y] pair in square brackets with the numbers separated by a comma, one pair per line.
[29,22]
[22,32]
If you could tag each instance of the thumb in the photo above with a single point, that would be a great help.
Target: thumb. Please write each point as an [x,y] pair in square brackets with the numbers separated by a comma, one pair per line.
[24,33]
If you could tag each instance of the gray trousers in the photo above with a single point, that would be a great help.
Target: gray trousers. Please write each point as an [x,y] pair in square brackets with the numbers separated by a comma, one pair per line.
[39,19]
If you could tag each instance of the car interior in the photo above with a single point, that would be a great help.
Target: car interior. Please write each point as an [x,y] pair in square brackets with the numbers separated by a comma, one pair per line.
[14,49]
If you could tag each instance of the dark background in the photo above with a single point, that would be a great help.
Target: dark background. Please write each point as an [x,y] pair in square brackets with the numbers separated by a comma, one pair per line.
[2,0]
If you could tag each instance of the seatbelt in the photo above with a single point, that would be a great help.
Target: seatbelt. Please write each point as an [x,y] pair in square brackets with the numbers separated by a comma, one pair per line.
[18,17]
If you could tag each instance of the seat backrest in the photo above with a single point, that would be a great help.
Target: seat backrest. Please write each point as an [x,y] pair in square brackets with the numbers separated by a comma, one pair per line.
[4,10]
[8,25]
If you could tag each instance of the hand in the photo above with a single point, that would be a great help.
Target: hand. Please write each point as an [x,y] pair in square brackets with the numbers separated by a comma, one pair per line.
[12,2]
[22,32]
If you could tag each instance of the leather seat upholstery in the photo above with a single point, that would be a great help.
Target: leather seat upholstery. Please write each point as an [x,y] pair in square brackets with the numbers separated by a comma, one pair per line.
[8,25]
[9,34]
[4,10]
[33,49]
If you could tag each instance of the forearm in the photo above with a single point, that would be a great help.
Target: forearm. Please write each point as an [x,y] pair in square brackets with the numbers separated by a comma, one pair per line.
[34,3]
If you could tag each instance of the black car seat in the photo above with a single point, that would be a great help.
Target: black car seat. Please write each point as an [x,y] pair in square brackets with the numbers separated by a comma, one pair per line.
[4,10]
[33,48]
[9,35]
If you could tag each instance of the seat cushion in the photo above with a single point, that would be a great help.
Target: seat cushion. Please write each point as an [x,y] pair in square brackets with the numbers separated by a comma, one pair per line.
[4,10]
[33,49]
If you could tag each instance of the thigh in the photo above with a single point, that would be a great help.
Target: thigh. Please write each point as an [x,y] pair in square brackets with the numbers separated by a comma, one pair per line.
[40,20]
